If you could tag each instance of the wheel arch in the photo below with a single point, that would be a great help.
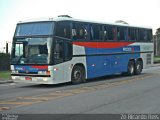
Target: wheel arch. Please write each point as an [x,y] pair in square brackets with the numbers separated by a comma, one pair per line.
[133,60]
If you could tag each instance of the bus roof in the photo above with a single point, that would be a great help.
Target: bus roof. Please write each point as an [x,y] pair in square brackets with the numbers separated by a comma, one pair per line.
[68,18]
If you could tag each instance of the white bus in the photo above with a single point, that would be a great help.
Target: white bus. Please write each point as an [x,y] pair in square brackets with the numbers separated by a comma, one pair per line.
[64,49]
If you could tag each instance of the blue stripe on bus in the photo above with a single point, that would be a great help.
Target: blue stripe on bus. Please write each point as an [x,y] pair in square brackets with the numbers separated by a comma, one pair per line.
[30,69]
[110,64]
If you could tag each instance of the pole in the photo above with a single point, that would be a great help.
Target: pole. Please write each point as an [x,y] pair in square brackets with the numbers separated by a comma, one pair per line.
[7,47]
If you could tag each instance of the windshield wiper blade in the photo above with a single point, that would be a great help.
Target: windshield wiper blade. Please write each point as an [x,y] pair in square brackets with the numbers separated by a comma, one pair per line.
[19,59]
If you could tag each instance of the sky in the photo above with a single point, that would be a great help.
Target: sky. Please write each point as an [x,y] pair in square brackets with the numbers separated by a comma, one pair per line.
[134,12]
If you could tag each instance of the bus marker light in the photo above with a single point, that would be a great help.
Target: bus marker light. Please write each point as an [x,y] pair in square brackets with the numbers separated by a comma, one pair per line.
[55,69]
[93,65]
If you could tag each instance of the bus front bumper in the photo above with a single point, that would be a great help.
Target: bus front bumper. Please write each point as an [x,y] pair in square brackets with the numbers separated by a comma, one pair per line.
[28,79]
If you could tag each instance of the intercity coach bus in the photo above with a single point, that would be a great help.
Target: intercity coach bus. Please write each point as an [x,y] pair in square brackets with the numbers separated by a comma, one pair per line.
[63,49]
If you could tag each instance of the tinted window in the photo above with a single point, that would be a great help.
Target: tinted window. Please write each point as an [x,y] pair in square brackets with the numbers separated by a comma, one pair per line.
[122,33]
[79,31]
[94,32]
[58,51]
[101,32]
[140,35]
[111,32]
[131,34]
[67,50]
[149,35]
[29,29]
[63,29]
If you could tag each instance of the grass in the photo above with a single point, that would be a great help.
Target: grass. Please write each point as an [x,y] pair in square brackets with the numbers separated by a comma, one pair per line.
[156,59]
[5,75]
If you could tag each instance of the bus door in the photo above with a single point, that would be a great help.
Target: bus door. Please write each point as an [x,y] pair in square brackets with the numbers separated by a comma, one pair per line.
[62,57]
[67,60]
[58,60]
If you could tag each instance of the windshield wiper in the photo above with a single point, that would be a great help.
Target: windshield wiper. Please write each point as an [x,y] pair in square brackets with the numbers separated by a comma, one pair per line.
[19,59]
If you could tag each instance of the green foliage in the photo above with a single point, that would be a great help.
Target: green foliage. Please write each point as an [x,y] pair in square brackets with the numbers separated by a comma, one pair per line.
[5,75]
[156,59]
[4,61]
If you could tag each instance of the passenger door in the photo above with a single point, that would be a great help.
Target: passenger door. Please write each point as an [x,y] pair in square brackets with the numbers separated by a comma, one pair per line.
[62,56]
[58,58]
[67,60]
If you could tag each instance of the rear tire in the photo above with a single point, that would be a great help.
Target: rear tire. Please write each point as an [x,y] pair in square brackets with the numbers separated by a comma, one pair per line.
[138,67]
[78,75]
[131,68]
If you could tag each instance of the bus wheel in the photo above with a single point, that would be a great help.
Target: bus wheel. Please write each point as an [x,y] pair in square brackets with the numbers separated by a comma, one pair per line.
[138,67]
[78,75]
[131,68]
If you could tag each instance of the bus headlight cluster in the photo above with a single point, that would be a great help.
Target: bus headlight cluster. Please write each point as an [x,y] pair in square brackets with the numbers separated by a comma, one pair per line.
[44,72]
[15,71]
[45,79]
[13,77]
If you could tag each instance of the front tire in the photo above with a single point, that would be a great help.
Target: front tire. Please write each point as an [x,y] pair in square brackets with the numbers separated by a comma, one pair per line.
[131,68]
[78,75]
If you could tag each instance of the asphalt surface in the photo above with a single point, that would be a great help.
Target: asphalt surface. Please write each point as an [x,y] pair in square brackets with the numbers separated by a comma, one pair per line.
[111,94]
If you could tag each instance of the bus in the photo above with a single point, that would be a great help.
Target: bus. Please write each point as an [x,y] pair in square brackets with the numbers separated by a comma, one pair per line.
[63,49]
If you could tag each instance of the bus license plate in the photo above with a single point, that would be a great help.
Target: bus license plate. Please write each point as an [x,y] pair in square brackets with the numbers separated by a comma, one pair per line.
[28,78]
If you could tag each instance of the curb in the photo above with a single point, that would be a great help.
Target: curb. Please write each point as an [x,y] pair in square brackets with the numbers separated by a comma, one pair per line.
[156,64]
[6,81]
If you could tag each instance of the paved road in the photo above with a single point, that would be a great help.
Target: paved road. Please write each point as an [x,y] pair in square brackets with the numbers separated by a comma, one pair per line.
[111,94]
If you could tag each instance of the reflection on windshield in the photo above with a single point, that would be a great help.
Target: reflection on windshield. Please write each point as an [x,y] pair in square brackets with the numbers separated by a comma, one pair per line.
[31,51]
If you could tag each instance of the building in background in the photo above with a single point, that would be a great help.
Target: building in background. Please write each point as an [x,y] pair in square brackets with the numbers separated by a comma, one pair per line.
[156,39]
[7,48]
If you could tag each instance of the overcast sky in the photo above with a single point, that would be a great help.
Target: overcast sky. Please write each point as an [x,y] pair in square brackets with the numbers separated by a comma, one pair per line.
[134,12]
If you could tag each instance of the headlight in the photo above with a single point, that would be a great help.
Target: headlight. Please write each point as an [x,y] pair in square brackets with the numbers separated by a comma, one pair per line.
[13,77]
[15,71]
[44,72]
[45,79]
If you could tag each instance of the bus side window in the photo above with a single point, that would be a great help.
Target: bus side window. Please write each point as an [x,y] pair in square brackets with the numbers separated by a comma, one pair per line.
[149,34]
[74,34]
[63,29]
[122,33]
[79,31]
[94,32]
[112,32]
[67,50]
[105,33]
[84,32]
[118,33]
[131,34]
[101,33]
[145,35]
[137,35]
[58,51]
[91,33]
[140,35]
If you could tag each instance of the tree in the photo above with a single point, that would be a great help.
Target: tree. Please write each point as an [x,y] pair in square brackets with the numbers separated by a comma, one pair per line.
[157,42]
[158,31]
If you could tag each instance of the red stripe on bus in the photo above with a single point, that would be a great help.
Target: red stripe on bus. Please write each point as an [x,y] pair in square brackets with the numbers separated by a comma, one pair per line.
[40,67]
[103,44]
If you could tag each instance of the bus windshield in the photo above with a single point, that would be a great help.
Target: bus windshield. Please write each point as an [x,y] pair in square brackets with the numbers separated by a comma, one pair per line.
[30,29]
[31,51]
